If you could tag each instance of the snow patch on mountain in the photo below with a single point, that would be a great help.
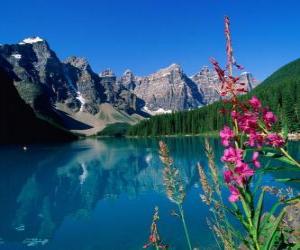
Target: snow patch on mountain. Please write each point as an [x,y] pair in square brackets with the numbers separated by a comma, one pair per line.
[156,112]
[17,56]
[31,40]
[81,99]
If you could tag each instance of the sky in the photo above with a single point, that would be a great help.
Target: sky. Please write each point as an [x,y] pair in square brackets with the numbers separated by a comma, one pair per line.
[146,35]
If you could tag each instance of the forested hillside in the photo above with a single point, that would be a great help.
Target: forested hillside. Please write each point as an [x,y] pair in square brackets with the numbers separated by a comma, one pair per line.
[280,91]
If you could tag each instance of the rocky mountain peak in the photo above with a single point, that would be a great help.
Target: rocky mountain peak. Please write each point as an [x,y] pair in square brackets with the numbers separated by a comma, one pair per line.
[207,82]
[107,73]
[78,62]
[173,68]
[32,40]
[128,80]
[128,73]
[247,78]
[128,76]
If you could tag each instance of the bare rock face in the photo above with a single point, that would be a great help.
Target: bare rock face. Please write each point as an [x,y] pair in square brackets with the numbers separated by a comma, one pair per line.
[38,72]
[207,82]
[85,85]
[40,75]
[248,79]
[116,94]
[167,90]
[128,80]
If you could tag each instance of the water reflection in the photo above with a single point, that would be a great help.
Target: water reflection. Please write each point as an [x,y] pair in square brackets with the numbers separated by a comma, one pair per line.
[51,192]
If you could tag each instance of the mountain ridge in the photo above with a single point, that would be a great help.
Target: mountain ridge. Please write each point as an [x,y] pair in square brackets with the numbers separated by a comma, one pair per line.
[280,91]
[70,94]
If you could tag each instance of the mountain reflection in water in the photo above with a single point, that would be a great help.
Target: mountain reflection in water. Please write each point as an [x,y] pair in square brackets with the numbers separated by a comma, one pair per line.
[99,194]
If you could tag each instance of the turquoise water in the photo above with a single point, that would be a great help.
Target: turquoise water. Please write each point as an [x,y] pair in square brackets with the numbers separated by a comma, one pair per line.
[99,194]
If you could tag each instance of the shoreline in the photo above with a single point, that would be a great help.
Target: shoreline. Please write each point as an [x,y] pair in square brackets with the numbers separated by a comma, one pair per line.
[215,134]
[294,136]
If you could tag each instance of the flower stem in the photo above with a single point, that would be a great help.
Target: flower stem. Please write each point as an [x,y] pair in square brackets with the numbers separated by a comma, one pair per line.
[252,229]
[184,226]
[289,157]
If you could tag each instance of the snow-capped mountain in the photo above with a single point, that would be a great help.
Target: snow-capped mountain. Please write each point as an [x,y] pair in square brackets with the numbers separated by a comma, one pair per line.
[71,94]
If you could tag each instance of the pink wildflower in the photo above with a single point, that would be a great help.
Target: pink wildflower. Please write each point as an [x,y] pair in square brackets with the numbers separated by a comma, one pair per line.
[228,176]
[255,139]
[232,155]
[234,114]
[243,172]
[255,159]
[255,103]
[269,118]
[248,122]
[275,140]
[234,194]
[226,135]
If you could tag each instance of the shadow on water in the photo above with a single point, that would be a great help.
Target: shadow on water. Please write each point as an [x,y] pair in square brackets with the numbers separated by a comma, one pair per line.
[98,194]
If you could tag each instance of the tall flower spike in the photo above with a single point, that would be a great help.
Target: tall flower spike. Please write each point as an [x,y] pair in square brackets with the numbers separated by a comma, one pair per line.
[172,179]
[206,198]
[212,165]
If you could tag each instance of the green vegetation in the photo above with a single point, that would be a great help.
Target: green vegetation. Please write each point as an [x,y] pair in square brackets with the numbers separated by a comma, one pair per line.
[280,91]
[116,129]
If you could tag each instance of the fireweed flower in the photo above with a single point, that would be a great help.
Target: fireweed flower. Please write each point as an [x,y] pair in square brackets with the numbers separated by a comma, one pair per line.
[275,140]
[255,103]
[255,139]
[234,114]
[269,118]
[247,122]
[243,172]
[234,194]
[252,123]
[226,135]
[230,86]
[232,155]
[255,157]
[239,175]
[228,176]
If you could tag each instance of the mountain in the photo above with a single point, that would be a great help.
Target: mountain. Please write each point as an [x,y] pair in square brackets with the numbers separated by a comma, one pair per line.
[280,91]
[170,89]
[71,95]
[67,93]
[164,91]
[19,124]
[207,82]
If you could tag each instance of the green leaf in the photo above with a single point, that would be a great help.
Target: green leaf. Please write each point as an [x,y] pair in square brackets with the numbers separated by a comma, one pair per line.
[296,247]
[288,180]
[272,233]
[267,217]
[297,198]
[277,169]
[258,183]
[258,211]
[279,157]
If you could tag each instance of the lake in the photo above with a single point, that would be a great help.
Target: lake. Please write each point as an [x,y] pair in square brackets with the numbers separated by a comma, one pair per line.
[100,194]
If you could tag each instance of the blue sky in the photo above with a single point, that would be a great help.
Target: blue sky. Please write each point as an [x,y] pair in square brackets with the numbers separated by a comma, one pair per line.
[145,35]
